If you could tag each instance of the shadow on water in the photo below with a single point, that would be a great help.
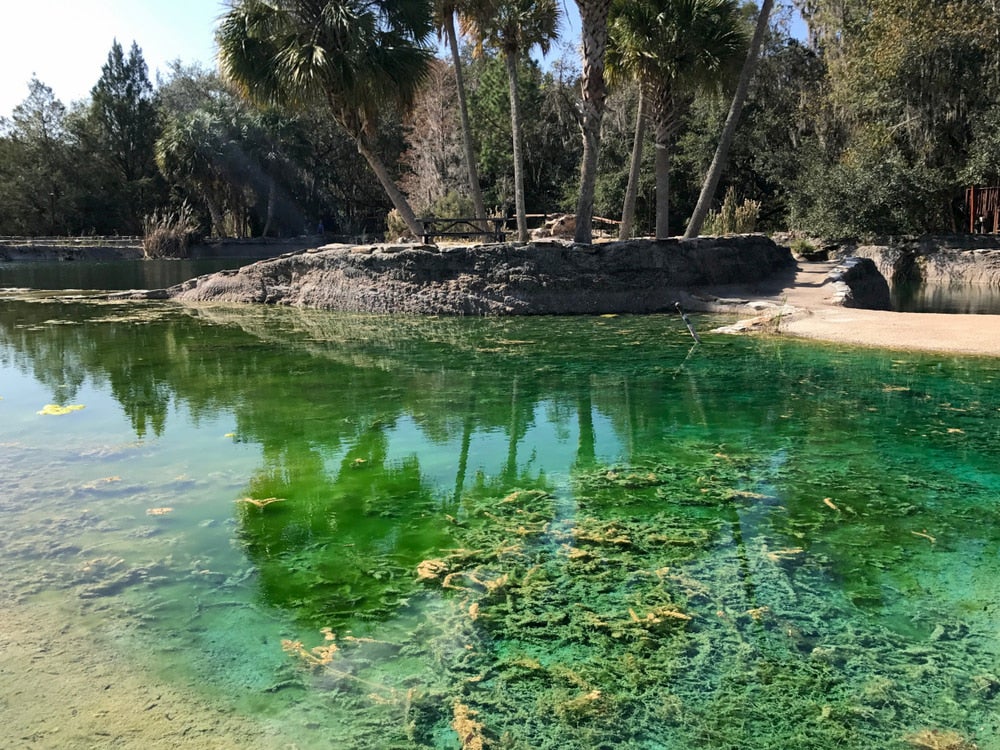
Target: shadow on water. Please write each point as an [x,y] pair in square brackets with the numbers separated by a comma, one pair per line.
[974,299]
[540,532]
[110,275]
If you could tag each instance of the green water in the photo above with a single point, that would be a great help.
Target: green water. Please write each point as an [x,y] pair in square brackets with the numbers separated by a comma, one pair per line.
[546,533]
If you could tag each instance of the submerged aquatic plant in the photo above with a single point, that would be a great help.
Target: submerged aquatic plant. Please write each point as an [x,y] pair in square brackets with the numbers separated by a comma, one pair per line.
[939,739]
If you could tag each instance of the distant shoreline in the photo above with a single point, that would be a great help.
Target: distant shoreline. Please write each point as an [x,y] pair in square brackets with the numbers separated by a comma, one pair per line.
[85,249]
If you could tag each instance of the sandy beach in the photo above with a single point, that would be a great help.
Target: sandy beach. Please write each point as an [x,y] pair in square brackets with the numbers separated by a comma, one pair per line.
[814,316]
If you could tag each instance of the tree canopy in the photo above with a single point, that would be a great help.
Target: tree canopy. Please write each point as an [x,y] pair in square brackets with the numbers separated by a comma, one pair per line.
[874,120]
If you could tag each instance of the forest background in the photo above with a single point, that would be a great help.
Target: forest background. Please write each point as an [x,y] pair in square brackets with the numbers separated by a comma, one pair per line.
[872,124]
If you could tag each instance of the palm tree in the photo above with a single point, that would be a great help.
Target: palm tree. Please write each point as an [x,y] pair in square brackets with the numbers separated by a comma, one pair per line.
[515,27]
[444,16]
[729,129]
[189,152]
[594,32]
[359,57]
[671,48]
[622,66]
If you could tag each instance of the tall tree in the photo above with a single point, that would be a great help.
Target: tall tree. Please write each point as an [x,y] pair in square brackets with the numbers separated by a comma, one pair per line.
[594,31]
[435,155]
[514,27]
[358,57]
[672,48]
[36,168]
[126,117]
[444,16]
[189,153]
[732,120]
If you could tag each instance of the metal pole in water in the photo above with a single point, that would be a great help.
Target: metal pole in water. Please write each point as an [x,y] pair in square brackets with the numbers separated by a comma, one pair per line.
[687,322]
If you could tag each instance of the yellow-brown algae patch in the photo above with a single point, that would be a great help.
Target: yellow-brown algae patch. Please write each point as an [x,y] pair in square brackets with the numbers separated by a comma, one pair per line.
[939,739]
[57,410]
[428,570]
[469,731]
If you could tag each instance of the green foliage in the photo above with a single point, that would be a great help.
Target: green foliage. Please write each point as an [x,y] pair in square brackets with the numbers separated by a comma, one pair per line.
[673,49]
[733,217]
[871,191]
[983,166]
[126,125]
[452,204]
[876,125]
[803,248]
[908,80]
[551,142]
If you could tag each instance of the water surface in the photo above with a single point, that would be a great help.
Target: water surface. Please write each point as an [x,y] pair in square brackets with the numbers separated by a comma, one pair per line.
[970,299]
[110,275]
[582,532]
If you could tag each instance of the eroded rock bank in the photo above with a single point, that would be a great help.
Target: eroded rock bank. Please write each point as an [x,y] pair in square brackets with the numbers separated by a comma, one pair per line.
[953,260]
[540,278]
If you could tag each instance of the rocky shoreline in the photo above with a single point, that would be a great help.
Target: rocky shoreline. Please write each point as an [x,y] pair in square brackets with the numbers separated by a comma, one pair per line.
[951,260]
[541,278]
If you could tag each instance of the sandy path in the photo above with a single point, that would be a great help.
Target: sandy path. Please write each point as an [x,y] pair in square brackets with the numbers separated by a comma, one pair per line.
[816,318]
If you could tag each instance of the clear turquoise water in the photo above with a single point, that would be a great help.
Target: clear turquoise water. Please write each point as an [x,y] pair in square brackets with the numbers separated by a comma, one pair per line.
[581,529]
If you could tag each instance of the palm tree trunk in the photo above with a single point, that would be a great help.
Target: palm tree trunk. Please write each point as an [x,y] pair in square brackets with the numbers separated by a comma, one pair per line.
[399,201]
[632,191]
[515,129]
[662,179]
[271,201]
[215,212]
[594,24]
[729,129]
[463,108]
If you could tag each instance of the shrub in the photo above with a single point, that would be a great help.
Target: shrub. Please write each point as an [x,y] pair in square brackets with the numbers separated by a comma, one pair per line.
[395,227]
[733,218]
[168,234]
[452,205]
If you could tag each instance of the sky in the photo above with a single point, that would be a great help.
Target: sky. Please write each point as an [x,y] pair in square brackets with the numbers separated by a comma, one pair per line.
[64,43]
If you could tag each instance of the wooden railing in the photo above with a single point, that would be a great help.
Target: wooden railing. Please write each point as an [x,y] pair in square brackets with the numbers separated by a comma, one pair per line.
[465,228]
[90,241]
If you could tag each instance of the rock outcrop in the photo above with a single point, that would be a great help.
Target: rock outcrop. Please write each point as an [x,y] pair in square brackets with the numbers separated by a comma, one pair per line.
[955,260]
[639,276]
[857,282]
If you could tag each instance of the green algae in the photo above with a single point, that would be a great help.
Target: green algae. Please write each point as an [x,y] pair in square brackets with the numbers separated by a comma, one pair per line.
[663,631]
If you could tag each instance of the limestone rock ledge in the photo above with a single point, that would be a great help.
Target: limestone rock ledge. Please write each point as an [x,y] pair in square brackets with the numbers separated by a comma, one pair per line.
[953,260]
[858,283]
[541,278]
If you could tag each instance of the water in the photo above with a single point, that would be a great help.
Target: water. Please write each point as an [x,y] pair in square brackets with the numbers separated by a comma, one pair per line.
[372,532]
[110,275]
[972,299]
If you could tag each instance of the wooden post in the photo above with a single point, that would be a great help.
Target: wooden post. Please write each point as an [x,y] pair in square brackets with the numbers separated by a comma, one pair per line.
[971,197]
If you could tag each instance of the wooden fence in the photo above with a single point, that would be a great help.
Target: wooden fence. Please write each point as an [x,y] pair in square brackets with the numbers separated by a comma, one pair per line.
[984,209]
